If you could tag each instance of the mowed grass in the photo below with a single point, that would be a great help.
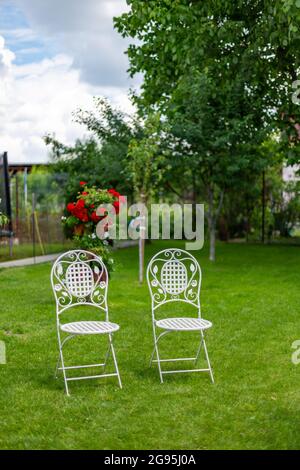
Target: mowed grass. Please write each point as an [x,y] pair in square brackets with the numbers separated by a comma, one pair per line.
[252,296]
[25,250]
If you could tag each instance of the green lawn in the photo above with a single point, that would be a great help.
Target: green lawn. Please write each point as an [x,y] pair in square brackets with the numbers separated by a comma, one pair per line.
[25,250]
[252,296]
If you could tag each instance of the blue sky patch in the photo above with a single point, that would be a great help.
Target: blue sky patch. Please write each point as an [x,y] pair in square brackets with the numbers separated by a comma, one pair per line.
[20,38]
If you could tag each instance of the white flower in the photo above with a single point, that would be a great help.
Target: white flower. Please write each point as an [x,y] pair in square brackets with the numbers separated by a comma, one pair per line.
[105,242]
[62,218]
[93,236]
[111,261]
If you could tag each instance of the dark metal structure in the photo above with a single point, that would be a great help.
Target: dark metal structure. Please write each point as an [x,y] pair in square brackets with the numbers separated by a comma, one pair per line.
[5,201]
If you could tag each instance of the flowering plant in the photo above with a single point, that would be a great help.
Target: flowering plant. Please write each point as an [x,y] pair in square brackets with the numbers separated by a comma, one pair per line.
[3,218]
[81,219]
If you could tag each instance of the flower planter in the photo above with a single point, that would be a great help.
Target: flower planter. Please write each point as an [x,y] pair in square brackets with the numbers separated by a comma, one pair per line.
[79,230]
[103,276]
[83,219]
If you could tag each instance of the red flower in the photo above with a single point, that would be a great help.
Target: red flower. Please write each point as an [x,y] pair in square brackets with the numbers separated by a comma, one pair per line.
[116,205]
[84,216]
[80,203]
[80,211]
[114,193]
[94,217]
[70,207]
[85,213]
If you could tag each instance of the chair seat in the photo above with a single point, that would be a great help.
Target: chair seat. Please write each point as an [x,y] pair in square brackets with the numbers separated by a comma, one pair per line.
[89,327]
[183,324]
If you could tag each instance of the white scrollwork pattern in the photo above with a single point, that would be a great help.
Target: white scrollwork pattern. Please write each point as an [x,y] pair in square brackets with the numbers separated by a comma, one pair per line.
[174,275]
[79,277]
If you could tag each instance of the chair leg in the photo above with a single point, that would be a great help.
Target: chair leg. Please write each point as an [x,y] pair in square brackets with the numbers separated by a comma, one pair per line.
[152,356]
[64,372]
[157,355]
[207,358]
[57,366]
[60,344]
[107,356]
[156,340]
[198,350]
[115,360]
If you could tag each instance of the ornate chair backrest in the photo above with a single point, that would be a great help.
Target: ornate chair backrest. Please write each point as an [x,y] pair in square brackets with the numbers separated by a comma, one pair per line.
[79,277]
[174,275]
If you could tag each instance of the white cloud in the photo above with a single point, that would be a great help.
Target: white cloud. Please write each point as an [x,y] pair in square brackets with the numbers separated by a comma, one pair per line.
[6,58]
[39,98]
[86,59]
[84,31]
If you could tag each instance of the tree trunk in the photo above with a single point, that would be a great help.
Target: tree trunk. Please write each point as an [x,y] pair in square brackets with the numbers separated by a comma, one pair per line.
[212,242]
[142,242]
[212,218]
[141,259]
[211,225]
[263,214]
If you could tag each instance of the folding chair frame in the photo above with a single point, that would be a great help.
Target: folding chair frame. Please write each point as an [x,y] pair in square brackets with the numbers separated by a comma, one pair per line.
[160,294]
[65,294]
[61,365]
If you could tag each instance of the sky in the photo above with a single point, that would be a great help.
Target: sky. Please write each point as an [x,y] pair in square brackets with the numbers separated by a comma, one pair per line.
[54,57]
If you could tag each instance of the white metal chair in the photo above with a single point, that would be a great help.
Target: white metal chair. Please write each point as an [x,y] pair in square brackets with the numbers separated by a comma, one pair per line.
[79,278]
[174,275]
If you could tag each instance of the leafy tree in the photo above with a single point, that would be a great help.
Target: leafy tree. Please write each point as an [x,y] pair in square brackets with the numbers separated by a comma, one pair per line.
[260,36]
[101,159]
[146,165]
[146,159]
[223,134]
[195,60]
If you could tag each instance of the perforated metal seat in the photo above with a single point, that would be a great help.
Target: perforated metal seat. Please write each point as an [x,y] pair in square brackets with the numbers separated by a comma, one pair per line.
[89,327]
[183,324]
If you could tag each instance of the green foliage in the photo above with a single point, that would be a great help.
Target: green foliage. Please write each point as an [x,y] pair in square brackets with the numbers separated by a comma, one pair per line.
[257,41]
[146,160]
[222,74]
[3,219]
[176,35]
[220,127]
[284,205]
[46,186]
[94,196]
[90,242]
[101,160]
